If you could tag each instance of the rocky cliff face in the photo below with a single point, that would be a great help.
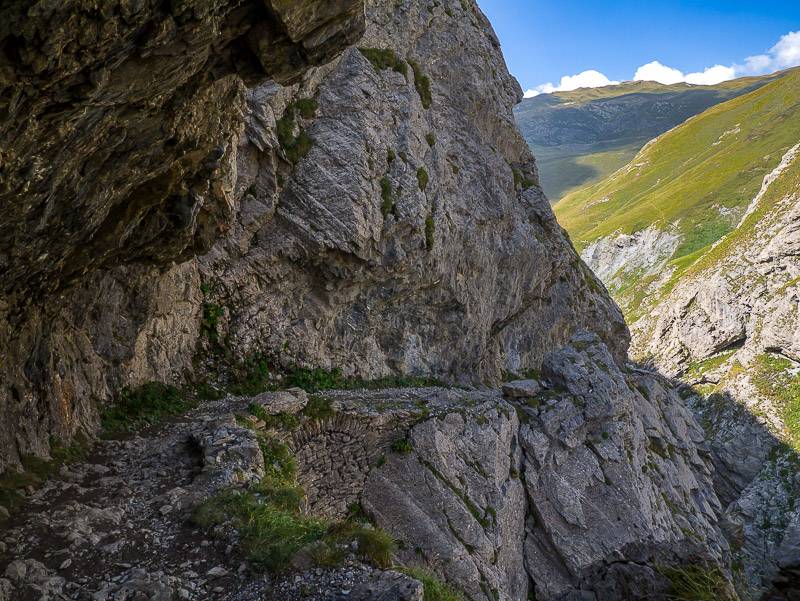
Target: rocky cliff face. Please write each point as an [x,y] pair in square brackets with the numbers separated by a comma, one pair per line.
[381,215]
[116,123]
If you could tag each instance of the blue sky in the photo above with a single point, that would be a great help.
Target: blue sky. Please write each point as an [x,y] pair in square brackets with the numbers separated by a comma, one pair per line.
[544,40]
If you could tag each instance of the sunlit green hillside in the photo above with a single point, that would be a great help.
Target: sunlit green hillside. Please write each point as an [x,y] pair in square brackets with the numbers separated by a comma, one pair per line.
[696,180]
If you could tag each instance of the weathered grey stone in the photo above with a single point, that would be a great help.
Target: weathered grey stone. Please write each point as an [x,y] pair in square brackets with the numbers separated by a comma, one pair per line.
[520,389]
[283,401]
[388,586]
[231,453]
[120,121]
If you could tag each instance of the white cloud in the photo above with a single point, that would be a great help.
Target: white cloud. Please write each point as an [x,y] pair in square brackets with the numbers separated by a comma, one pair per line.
[585,79]
[655,71]
[784,54]
[711,76]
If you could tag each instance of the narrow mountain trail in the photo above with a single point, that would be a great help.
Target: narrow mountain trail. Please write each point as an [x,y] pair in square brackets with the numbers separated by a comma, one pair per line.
[118,526]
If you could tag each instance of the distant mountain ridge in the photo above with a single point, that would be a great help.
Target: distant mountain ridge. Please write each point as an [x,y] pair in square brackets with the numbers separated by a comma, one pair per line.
[581,136]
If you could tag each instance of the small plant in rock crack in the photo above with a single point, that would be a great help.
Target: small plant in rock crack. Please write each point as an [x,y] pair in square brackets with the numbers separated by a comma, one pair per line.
[698,583]
[148,404]
[423,84]
[282,421]
[382,59]
[434,589]
[402,446]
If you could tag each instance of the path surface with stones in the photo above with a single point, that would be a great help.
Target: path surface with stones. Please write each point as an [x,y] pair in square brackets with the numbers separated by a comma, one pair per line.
[118,526]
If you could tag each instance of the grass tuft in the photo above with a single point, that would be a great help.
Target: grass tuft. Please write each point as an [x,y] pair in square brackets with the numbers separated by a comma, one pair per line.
[402,446]
[435,589]
[382,59]
[697,583]
[295,147]
[272,528]
[148,404]
[307,107]
[422,178]
[430,231]
[386,195]
[423,85]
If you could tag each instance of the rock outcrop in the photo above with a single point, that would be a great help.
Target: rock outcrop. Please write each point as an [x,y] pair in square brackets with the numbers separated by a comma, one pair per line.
[732,329]
[588,486]
[116,122]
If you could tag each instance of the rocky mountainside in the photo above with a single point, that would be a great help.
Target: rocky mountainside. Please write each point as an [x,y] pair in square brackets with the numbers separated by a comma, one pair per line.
[709,283]
[372,217]
[218,207]
[581,137]
[584,484]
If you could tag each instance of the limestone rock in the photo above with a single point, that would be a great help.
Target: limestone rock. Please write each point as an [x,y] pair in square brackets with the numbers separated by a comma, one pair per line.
[520,389]
[282,401]
[231,453]
[389,586]
[119,125]
[588,486]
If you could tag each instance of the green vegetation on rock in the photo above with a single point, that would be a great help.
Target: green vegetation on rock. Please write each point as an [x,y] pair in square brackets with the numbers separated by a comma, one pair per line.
[382,58]
[387,203]
[434,589]
[698,583]
[430,230]
[273,529]
[295,147]
[423,84]
[695,181]
[778,378]
[144,405]
[520,181]
[422,178]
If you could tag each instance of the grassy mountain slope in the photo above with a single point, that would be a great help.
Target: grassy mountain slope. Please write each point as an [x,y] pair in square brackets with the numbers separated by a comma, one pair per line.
[695,181]
[579,137]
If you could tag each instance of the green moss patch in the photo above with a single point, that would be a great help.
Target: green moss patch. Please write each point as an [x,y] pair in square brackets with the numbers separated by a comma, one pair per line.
[296,146]
[422,178]
[430,231]
[387,198]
